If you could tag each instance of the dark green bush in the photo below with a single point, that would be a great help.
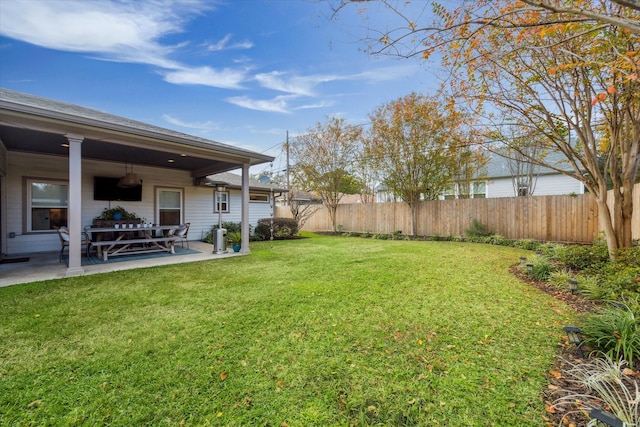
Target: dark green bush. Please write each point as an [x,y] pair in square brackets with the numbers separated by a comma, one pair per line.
[231,227]
[478,229]
[583,257]
[527,244]
[283,228]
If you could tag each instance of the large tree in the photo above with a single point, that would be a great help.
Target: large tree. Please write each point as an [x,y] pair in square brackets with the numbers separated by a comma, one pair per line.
[322,158]
[416,145]
[565,70]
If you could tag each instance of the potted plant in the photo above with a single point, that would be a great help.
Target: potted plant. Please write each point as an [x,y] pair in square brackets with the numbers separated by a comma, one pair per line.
[117,213]
[235,237]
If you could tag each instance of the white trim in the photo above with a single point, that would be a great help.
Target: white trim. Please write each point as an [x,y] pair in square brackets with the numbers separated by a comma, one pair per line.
[259,196]
[28,182]
[157,206]
[225,199]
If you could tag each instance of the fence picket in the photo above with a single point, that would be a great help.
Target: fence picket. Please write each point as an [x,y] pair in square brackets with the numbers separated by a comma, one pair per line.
[566,218]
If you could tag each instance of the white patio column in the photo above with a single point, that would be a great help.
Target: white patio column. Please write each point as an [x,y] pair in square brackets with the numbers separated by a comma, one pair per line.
[244,247]
[74,215]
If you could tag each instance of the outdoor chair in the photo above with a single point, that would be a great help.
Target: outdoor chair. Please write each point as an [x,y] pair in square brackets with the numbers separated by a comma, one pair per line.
[63,233]
[182,232]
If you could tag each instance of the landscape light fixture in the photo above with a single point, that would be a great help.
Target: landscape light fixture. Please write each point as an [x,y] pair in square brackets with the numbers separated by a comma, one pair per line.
[523,260]
[574,334]
[606,418]
[529,268]
[573,286]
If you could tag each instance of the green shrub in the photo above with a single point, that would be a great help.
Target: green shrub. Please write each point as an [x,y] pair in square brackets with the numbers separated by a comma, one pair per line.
[477,229]
[591,288]
[497,239]
[583,257]
[629,256]
[283,228]
[615,331]
[560,278]
[527,244]
[541,268]
[231,227]
[397,235]
[620,279]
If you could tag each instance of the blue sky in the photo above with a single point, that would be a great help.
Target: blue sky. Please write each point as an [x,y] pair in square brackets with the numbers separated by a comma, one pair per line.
[242,72]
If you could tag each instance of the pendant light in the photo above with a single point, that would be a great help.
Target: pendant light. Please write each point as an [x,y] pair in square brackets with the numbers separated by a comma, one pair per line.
[130,179]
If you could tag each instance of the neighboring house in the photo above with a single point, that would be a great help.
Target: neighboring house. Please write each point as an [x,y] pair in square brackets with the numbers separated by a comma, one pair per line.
[53,154]
[499,181]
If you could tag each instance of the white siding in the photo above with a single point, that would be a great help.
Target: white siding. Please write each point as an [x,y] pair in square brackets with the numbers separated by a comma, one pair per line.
[550,185]
[198,201]
[546,185]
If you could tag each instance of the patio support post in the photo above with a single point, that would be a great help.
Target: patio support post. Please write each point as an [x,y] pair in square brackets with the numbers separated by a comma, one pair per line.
[74,216]
[244,247]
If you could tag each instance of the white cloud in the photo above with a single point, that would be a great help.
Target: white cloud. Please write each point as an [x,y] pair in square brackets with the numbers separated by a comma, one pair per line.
[279,104]
[206,126]
[226,78]
[119,31]
[305,85]
[321,104]
[224,44]
[299,85]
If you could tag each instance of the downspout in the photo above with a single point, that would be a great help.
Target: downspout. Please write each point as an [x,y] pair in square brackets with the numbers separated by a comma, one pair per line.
[244,246]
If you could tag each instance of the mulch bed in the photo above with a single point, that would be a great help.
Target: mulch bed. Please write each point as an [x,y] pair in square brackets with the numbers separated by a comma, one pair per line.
[560,383]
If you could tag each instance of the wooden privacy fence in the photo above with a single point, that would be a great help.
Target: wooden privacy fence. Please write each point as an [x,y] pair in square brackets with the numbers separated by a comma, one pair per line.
[547,218]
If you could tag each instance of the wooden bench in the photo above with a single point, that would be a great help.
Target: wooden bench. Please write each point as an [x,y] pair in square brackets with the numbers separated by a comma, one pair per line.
[123,246]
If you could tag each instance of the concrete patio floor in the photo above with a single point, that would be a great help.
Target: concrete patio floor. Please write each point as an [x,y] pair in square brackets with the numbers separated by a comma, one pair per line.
[46,266]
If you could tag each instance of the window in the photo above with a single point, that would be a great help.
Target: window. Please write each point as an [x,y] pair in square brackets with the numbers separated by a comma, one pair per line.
[523,187]
[258,198]
[479,190]
[450,193]
[222,202]
[169,206]
[48,204]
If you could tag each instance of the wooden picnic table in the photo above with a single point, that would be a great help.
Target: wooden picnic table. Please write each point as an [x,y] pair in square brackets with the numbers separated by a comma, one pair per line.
[113,241]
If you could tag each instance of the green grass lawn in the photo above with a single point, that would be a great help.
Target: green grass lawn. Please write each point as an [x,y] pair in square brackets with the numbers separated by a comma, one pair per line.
[320,331]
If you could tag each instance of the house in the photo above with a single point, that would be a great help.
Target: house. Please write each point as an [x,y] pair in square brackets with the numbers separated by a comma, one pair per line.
[504,177]
[54,156]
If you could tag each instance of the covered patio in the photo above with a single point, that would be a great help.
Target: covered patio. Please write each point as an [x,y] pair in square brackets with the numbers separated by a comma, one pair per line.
[47,265]
[43,139]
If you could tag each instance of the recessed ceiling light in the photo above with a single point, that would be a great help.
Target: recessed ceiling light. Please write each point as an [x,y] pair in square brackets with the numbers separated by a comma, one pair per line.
[183,155]
[171,160]
[65,145]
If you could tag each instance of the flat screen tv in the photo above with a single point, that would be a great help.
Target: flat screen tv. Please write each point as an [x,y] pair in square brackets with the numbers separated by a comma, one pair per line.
[106,188]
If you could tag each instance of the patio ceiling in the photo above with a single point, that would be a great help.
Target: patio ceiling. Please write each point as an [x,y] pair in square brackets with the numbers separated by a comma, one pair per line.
[38,125]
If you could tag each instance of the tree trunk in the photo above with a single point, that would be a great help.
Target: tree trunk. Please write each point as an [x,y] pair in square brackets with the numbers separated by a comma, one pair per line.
[414,218]
[332,214]
[616,217]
